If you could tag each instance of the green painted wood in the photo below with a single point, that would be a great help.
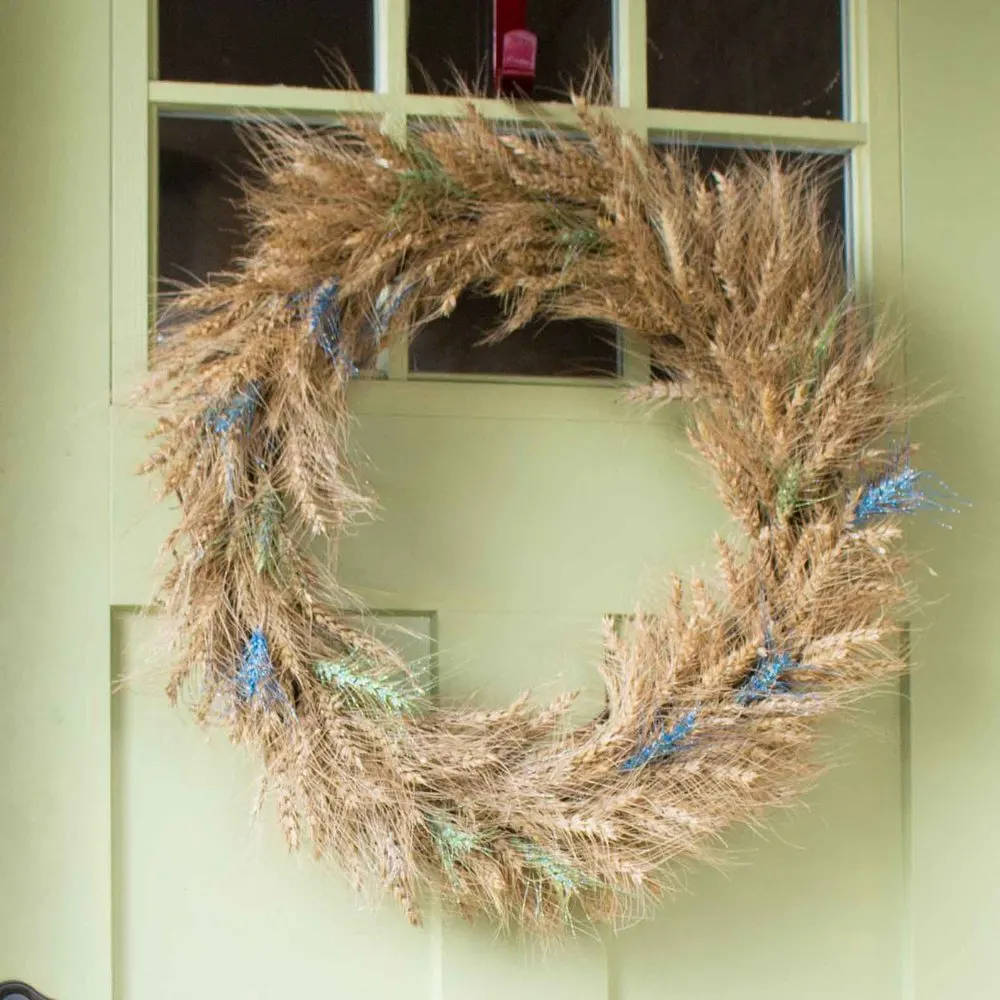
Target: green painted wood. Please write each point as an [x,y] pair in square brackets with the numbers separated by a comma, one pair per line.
[521,515]
[518,515]
[55,138]
[810,910]
[207,901]
[950,91]
[711,127]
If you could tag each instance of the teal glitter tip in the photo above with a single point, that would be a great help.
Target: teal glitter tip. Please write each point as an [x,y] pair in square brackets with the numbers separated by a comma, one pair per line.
[453,845]
[566,878]
[362,687]
[267,514]
[237,414]
[666,743]
[255,679]
[767,678]
[901,489]
[451,841]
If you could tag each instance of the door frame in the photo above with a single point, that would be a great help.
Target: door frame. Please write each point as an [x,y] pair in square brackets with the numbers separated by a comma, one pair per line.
[81,101]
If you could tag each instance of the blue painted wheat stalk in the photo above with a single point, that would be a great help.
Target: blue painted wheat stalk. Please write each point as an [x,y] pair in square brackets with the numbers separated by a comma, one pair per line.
[255,679]
[901,489]
[362,687]
[665,743]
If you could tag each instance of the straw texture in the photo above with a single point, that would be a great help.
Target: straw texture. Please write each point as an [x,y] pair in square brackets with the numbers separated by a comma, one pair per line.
[711,701]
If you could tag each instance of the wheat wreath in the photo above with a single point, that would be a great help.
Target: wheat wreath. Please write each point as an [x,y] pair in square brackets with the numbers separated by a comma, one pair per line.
[711,701]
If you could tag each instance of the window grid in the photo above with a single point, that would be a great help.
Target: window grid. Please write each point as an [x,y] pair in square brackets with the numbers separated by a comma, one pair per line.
[397,107]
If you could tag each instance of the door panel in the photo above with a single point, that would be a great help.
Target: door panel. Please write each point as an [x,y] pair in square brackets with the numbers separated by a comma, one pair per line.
[208,904]
[516,517]
[561,500]
[813,909]
[474,963]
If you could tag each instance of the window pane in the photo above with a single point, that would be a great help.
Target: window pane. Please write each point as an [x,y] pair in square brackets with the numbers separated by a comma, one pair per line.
[201,229]
[833,169]
[553,348]
[783,57]
[560,348]
[450,35]
[294,42]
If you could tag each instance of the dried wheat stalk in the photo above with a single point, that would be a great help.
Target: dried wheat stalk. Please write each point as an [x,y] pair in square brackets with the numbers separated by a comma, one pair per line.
[711,701]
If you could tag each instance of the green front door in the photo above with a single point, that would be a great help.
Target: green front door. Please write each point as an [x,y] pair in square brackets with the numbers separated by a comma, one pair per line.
[516,514]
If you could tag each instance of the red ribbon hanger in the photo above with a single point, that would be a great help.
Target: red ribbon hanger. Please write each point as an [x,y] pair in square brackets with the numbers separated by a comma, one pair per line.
[514,49]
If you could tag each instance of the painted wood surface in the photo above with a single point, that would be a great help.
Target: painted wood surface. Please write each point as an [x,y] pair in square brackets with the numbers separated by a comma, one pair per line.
[514,517]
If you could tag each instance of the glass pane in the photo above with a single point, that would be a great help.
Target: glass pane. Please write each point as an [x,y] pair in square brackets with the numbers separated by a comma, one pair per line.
[560,348]
[832,167]
[294,42]
[783,57]
[450,35]
[553,348]
[201,228]
[833,170]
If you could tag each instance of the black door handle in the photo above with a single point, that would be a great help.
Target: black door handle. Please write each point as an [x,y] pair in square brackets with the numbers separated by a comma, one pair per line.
[13,990]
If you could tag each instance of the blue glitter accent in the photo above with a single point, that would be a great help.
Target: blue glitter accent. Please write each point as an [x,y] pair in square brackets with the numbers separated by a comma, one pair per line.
[766,678]
[325,323]
[324,318]
[453,846]
[665,744]
[900,490]
[233,418]
[563,877]
[237,414]
[255,677]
